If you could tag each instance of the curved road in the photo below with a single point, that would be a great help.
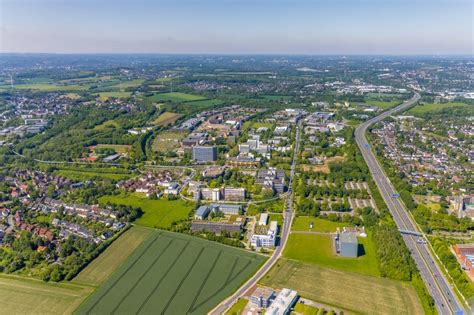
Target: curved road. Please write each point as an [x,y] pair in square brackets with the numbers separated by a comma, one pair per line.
[443,294]
[285,232]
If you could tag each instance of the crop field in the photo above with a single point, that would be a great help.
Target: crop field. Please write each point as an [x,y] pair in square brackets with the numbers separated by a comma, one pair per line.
[167,140]
[51,87]
[127,84]
[108,261]
[103,96]
[19,295]
[319,225]
[173,273]
[421,109]
[318,249]
[167,118]
[176,97]
[350,291]
[157,213]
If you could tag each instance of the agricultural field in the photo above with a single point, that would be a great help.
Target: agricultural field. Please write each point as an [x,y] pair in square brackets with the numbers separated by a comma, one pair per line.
[167,118]
[349,291]
[318,249]
[19,295]
[103,96]
[157,213]
[175,97]
[48,87]
[168,140]
[108,261]
[421,109]
[319,225]
[173,273]
[127,84]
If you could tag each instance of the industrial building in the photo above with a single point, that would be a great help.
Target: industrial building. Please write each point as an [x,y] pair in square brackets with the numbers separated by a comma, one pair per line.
[283,302]
[346,244]
[204,153]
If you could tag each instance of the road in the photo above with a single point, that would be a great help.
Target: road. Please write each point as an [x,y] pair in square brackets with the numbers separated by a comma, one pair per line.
[285,232]
[443,294]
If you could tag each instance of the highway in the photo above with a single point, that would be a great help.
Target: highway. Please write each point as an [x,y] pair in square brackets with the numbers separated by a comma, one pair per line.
[443,294]
[285,232]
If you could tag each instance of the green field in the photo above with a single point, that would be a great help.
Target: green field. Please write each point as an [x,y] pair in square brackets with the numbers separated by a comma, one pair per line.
[318,249]
[19,295]
[175,97]
[51,87]
[382,104]
[305,309]
[103,96]
[107,124]
[119,148]
[421,109]
[127,84]
[157,213]
[167,118]
[173,273]
[108,261]
[350,291]
[238,307]
[319,225]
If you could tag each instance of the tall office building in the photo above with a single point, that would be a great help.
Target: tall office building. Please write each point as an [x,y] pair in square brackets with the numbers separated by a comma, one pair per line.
[204,154]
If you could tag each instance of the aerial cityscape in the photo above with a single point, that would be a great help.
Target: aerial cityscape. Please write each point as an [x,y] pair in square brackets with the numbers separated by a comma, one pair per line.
[166,176]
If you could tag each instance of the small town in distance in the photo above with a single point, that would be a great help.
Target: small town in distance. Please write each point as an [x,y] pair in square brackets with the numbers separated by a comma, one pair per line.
[201,157]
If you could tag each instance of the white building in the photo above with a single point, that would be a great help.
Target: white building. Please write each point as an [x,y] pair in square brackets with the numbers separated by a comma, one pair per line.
[268,239]
[283,302]
[263,219]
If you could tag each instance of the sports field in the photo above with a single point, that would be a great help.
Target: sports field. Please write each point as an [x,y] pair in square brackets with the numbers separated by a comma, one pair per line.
[176,97]
[119,148]
[108,261]
[166,118]
[173,274]
[157,213]
[350,291]
[19,295]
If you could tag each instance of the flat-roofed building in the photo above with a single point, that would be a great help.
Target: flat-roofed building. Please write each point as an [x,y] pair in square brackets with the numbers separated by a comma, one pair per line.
[204,153]
[262,297]
[266,239]
[283,302]
[232,193]
[202,212]
[263,219]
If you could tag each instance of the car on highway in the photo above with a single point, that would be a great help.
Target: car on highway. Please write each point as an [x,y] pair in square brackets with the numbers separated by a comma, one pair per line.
[395,195]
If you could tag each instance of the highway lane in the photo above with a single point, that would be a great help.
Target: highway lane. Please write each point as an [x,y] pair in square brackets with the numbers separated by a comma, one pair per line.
[443,294]
[285,232]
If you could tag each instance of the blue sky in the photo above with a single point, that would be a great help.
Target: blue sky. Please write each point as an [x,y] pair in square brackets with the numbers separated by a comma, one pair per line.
[238,26]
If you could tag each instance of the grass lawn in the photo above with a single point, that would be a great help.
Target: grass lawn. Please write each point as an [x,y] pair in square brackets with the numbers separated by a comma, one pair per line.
[167,118]
[84,174]
[421,109]
[108,261]
[119,148]
[173,273]
[305,309]
[157,213]
[318,249]
[350,291]
[319,225]
[324,168]
[19,295]
[107,124]
[103,96]
[238,307]
[175,97]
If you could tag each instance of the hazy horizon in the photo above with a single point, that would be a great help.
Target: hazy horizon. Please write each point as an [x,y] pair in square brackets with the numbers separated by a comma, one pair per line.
[238,27]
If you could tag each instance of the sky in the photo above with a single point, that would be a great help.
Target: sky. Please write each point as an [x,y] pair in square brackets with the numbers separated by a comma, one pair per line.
[393,27]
